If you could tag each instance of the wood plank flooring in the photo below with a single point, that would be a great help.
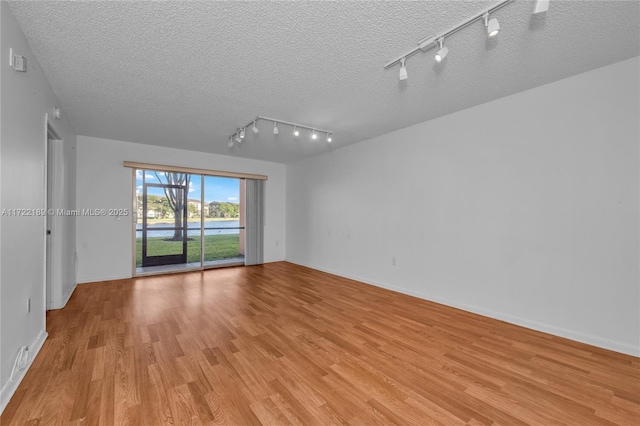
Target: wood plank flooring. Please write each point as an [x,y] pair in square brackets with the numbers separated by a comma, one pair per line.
[280,344]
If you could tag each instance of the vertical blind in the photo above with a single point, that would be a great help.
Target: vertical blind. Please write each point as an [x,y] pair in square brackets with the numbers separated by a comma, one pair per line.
[254,222]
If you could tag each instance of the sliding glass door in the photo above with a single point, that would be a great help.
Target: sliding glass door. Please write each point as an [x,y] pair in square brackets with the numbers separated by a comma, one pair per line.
[187,221]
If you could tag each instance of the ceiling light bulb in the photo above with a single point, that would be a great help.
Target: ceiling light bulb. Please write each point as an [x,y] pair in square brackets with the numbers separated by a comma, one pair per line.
[403,70]
[313,135]
[242,133]
[275,128]
[254,128]
[295,131]
[329,137]
[493,26]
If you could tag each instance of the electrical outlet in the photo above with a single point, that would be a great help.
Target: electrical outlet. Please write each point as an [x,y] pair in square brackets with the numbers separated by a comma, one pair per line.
[17,62]
[20,63]
[393,261]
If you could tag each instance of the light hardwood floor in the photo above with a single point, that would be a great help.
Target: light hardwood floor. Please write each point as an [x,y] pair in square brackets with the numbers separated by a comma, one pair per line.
[281,344]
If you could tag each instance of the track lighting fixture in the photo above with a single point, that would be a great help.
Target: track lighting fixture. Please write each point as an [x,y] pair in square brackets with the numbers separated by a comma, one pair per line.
[428,43]
[403,71]
[442,53]
[239,135]
[493,27]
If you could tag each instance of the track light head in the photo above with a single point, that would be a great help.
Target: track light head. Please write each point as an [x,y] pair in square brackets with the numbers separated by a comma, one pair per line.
[275,128]
[493,26]
[329,139]
[295,131]
[255,128]
[242,133]
[540,6]
[238,138]
[230,144]
[313,135]
[403,70]
[442,53]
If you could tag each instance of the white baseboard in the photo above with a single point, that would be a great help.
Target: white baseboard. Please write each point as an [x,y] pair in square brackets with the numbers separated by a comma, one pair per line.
[65,298]
[589,339]
[10,387]
[100,279]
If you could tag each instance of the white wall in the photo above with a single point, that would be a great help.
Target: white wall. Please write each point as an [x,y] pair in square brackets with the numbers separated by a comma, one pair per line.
[523,209]
[105,245]
[26,98]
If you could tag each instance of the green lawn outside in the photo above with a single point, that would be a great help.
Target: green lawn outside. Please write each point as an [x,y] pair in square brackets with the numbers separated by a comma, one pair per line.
[216,247]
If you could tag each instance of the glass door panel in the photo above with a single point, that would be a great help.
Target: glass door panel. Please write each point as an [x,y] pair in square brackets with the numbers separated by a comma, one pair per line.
[224,221]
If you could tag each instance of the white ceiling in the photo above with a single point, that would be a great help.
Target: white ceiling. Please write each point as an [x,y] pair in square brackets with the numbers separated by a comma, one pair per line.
[186,74]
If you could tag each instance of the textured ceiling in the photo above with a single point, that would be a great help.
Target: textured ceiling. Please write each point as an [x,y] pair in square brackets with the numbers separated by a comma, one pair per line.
[186,74]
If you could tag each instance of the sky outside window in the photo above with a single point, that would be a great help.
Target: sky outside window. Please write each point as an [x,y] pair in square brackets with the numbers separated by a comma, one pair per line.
[216,188]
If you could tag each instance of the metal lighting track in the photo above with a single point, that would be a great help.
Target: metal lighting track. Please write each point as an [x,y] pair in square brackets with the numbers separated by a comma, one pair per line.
[288,123]
[429,42]
[302,126]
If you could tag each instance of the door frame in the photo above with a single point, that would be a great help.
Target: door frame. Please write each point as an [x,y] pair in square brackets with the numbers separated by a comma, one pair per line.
[53,194]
